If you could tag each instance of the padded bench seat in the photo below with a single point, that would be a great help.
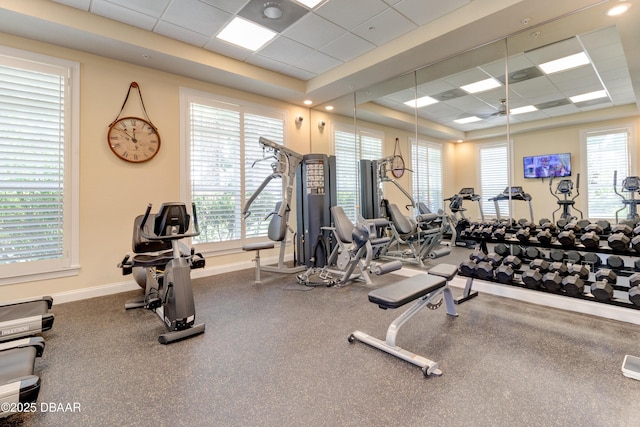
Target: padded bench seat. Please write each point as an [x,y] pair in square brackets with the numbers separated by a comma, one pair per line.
[258,246]
[407,290]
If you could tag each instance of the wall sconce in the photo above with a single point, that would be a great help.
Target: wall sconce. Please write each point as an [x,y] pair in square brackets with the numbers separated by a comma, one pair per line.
[299,119]
[321,124]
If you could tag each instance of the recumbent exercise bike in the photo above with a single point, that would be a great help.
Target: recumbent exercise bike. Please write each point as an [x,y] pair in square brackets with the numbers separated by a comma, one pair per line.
[162,266]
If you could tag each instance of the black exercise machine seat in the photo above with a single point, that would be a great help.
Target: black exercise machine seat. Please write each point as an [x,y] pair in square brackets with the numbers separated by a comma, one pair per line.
[18,384]
[428,290]
[402,224]
[25,318]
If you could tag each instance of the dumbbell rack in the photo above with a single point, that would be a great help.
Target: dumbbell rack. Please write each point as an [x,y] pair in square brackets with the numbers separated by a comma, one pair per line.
[621,290]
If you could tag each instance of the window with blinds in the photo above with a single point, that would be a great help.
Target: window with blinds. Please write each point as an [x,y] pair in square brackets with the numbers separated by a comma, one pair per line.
[227,165]
[349,149]
[426,163]
[606,151]
[494,177]
[37,195]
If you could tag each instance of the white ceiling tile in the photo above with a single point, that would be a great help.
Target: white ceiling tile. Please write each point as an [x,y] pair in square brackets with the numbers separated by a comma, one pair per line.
[285,50]
[350,13]
[222,47]
[347,47]
[424,11]
[313,31]
[127,16]
[196,16]
[317,63]
[182,34]
[231,6]
[384,27]
[148,7]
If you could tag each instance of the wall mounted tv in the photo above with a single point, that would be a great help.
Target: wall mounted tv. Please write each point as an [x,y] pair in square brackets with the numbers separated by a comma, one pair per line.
[547,165]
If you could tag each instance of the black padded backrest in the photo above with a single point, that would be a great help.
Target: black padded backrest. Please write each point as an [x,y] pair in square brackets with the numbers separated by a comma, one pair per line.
[423,209]
[171,215]
[401,222]
[139,244]
[344,226]
[278,225]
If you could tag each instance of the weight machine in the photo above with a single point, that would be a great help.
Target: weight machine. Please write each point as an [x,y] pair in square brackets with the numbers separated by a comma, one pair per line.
[285,168]
[565,187]
[630,184]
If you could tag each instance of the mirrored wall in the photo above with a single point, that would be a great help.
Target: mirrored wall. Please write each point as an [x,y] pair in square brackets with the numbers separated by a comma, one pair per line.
[531,91]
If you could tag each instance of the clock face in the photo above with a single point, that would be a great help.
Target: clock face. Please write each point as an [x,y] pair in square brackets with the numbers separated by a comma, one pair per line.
[133,139]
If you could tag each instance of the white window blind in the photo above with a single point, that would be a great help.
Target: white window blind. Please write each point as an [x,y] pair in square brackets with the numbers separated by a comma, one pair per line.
[36,191]
[494,177]
[607,151]
[349,149]
[426,163]
[227,165]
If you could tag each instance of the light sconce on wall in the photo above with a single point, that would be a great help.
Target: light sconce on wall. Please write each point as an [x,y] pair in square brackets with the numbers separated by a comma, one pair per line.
[321,124]
[299,119]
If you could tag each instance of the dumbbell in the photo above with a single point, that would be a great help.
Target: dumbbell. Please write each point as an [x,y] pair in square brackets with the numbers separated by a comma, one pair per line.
[505,272]
[545,235]
[484,270]
[573,283]
[567,238]
[591,236]
[502,249]
[606,226]
[542,221]
[620,237]
[614,261]
[532,252]
[593,259]
[499,233]
[552,280]
[556,255]
[532,278]
[574,257]
[524,233]
[634,289]
[602,288]
[477,256]
[467,268]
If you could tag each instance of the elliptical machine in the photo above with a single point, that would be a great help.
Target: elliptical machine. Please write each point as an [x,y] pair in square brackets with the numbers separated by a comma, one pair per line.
[630,184]
[458,218]
[162,266]
[565,187]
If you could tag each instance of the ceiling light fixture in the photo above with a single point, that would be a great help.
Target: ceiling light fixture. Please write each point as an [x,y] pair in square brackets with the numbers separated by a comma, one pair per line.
[469,119]
[619,8]
[481,86]
[272,10]
[589,96]
[246,34]
[309,3]
[566,63]
[421,102]
[522,110]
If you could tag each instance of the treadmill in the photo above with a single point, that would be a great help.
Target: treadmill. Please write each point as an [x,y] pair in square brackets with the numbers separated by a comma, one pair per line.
[19,386]
[516,193]
[25,318]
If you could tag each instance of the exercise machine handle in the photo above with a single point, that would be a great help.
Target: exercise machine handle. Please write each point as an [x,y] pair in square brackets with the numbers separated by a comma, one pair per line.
[196,228]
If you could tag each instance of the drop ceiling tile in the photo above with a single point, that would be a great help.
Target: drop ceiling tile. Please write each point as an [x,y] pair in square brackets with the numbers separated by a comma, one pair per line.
[196,16]
[181,34]
[424,11]
[285,50]
[316,63]
[127,16]
[153,8]
[384,27]
[231,6]
[347,47]
[349,14]
[554,51]
[314,31]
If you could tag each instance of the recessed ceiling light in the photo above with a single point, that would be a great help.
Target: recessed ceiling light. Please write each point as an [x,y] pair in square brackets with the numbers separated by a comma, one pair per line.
[421,102]
[329,108]
[619,9]
[246,34]
[522,110]
[566,63]
[272,10]
[307,102]
[309,3]
[466,120]
[589,96]
[481,86]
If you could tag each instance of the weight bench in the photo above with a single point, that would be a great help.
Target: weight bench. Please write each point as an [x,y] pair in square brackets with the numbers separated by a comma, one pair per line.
[426,288]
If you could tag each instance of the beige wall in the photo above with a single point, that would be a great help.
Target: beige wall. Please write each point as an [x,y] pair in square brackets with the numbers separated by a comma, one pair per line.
[113,192]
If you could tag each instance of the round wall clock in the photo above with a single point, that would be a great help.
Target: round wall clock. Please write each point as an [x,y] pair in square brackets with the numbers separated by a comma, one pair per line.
[133,139]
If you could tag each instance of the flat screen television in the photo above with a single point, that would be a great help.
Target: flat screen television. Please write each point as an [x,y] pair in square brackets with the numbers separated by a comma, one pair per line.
[547,165]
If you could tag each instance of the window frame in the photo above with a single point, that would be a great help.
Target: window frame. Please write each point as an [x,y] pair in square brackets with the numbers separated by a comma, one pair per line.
[629,128]
[69,263]
[417,173]
[188,96]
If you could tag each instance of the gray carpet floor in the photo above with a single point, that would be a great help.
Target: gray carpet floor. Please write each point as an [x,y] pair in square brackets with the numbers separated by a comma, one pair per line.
[277,355]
